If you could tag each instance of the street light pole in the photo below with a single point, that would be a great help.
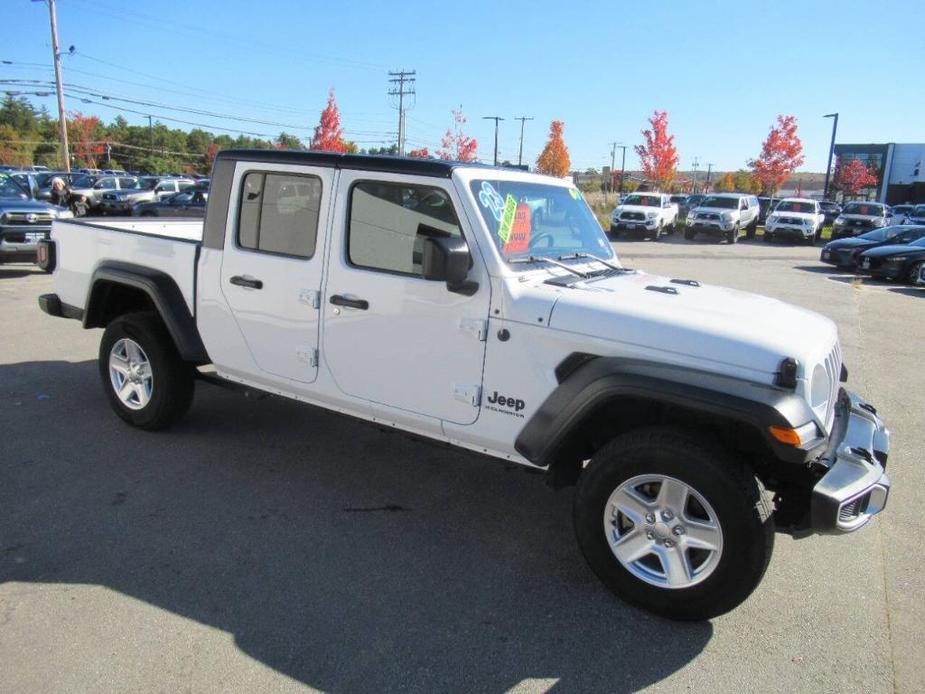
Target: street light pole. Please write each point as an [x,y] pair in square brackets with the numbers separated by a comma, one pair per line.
[828,168]
[495,119]
[520,151]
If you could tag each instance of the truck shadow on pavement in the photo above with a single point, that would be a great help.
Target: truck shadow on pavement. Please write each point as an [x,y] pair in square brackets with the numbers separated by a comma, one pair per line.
[338,554]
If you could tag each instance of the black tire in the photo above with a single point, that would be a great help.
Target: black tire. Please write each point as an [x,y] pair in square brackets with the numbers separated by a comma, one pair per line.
[172,378]
[689,234]
[733,236]
[768,236]
[658,232]
[736,497]
[912,275]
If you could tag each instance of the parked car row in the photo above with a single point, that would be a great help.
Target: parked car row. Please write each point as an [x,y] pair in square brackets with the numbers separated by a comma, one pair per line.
[895,252]
[24,221]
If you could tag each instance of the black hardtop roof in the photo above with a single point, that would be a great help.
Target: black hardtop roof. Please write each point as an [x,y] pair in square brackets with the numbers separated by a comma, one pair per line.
[363,162]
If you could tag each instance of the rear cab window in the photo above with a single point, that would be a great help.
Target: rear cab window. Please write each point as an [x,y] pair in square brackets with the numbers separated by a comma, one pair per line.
[278,213]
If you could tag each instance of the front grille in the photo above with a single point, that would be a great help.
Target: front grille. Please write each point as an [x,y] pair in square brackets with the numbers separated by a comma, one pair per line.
[790,220]
[28,217]
[832,365]
[109,196]
[633,216]
[709,215]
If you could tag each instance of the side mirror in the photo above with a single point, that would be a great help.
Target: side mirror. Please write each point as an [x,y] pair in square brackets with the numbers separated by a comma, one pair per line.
[446,259]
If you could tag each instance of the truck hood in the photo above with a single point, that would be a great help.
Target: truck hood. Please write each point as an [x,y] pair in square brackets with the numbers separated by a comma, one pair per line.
[636,208]
[700,326]
[792,215]
[859,217]
[27,205]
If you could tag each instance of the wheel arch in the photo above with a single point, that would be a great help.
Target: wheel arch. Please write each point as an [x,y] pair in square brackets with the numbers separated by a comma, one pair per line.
[600,397]
[117,288]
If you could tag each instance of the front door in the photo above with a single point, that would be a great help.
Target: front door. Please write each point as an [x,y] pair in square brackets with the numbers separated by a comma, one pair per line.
[390,336]
[271,265]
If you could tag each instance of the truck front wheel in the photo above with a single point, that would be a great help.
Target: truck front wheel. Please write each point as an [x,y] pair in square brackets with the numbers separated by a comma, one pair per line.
[146,380]
[672,524]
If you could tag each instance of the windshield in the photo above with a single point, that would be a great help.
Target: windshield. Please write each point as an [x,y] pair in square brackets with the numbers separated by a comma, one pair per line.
[884,233]
[10,188]
[133,185]
[795,206]
[539,219]
[643,200]
[83,182]
[867,208]
[724,203]
[918,211]
[902,209]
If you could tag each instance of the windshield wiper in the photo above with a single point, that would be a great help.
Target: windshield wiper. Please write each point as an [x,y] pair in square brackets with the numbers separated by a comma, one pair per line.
[543,259]
[579,256]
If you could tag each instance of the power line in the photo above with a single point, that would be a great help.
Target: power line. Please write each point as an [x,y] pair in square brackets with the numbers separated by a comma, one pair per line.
[401,78]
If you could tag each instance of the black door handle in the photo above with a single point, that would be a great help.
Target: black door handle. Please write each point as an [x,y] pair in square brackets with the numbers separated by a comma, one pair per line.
[339,300]
[246,282]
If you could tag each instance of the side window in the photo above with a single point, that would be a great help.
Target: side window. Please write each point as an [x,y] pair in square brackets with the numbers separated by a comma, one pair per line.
[106,184]
[126,182]
[743,204]
[389,222]
[279,213]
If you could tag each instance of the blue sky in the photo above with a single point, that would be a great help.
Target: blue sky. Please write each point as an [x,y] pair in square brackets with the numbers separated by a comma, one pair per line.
[722,70]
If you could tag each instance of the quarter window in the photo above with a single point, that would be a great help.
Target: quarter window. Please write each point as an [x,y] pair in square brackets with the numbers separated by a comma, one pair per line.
[390,221]
[279,213]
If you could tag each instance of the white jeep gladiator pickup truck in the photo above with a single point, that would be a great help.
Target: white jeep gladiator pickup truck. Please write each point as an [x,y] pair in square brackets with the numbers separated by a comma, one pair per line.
[425,296]
[651,214]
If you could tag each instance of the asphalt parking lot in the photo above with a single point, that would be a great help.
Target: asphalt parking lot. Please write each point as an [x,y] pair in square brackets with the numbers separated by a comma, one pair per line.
[267,546]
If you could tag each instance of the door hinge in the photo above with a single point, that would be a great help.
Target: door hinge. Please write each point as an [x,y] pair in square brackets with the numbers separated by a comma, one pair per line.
[475,327]
[469,394]
[312,297]
[307,355]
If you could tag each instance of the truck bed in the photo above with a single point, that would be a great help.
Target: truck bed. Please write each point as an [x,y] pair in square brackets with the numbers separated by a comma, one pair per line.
[169,245]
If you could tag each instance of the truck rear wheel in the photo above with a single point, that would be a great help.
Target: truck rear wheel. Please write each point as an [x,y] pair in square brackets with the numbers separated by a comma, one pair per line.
[147,382]
[672,524]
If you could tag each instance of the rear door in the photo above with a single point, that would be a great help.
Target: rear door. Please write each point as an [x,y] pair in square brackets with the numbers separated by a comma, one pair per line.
[271,264]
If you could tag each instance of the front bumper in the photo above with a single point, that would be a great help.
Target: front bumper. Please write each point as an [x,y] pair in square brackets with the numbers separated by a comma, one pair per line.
[855,488]
[710,226]
[633,224]
[19,242]
[790,230]
[842,257]
[879,268]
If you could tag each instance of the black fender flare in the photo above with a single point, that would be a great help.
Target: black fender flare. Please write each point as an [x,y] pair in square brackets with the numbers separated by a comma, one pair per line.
[164,294]
[587,382]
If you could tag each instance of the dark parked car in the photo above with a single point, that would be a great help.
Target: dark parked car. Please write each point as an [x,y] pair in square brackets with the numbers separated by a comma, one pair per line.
[857,218]
[189,203]
[903,263]
[845,252]
[831,210]
[681,202]
[917,216]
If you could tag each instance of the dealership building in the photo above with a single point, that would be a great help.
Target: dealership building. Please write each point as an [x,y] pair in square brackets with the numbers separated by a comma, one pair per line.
[901,167]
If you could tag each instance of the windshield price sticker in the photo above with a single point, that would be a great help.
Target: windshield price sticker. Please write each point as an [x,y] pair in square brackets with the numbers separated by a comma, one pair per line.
[507,218]
[490,198]
[519,241]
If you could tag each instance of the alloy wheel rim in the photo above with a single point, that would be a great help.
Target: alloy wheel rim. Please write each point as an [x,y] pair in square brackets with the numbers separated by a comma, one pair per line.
[130,374]
[663,531]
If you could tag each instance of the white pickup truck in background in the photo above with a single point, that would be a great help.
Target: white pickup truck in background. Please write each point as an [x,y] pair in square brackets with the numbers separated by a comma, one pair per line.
[644,214]
[484,308]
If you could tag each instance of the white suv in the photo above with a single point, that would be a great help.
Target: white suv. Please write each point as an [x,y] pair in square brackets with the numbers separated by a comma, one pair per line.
[723,215]
[796,218]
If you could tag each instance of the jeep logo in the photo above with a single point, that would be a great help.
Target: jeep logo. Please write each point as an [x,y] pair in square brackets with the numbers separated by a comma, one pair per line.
[503,401]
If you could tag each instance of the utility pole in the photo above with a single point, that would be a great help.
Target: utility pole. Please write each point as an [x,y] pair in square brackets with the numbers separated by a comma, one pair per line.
[520,152]
[622,168]
[613,161]
[694,165]
[709,170]
[62,121]
[403,81]
[496,119]
[151,134]
[828,168]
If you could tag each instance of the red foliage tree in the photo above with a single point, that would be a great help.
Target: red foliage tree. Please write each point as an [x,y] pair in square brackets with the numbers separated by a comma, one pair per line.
[781,155]
[82,132]
[455,145]
[329,137]
[211,151]
[851,177]
[554,159]
[422,153]
[658,156]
